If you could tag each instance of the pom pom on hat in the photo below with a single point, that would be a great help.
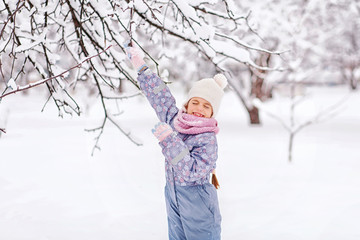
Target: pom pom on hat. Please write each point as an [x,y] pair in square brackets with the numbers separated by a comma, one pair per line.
[210,89]
[221,80]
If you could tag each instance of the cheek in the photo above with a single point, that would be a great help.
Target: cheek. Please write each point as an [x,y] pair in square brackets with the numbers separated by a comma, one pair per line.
[191,108]
[187,108]
[209,111]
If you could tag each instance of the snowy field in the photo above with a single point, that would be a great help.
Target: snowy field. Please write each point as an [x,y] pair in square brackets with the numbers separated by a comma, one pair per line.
[52,189]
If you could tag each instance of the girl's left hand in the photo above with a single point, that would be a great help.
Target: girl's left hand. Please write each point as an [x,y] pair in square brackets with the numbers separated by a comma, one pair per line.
[135,56]
[161,131]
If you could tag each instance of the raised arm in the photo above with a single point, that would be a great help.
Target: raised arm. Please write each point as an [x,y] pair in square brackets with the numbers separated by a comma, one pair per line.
[158,95]
[155,90]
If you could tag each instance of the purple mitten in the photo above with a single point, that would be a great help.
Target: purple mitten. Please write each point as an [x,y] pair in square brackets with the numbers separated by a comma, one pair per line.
[161,131]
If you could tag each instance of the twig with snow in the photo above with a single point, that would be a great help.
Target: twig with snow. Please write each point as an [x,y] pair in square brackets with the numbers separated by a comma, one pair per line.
[123,96]
[292,128]
[152,11]
[11,16]
[109,117]
[126,133]
[182,12]
[31,85]
[324,115]
[200,43]
[245,45]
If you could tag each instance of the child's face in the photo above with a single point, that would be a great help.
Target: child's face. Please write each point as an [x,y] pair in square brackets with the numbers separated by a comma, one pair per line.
[199,107]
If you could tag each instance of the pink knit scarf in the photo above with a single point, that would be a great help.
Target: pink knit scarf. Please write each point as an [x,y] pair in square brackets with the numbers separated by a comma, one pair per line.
[190,124]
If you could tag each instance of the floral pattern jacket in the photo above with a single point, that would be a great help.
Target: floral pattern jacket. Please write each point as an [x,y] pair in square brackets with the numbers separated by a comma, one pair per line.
[189,159]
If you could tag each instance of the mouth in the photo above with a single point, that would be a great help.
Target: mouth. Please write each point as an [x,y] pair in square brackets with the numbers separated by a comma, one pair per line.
[198,114]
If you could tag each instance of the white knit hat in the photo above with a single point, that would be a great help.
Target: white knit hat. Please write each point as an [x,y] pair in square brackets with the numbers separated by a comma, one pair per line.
[210,89]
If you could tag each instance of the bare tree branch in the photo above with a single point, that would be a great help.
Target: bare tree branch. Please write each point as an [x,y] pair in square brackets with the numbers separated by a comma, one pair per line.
[123,96]
[245,45]
[11,16]
[107,116]
[79,29]
[31,85]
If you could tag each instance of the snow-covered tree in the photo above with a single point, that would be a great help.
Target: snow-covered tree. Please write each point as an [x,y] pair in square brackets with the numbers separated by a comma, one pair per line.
[342,40]
[50,38]
[71,43]
[322,42]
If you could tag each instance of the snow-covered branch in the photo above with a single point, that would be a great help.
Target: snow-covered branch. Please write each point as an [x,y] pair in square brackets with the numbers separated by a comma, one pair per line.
[323,115]
[291,126]
[245,45]
[40,82]
[246,41]
[122,97]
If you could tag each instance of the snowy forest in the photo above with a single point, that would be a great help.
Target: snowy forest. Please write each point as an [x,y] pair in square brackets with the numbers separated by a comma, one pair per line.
[75,140]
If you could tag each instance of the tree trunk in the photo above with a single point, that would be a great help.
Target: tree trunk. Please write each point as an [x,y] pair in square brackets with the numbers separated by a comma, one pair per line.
[290,150]
[254,115]
[258,78]
[257,91]
[121,87]
[353,83]
[257,86]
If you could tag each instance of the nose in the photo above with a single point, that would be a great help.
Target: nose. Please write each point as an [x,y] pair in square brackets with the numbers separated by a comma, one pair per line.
[200,109]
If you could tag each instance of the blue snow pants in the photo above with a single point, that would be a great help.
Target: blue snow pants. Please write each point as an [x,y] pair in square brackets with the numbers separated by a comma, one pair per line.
[193,212]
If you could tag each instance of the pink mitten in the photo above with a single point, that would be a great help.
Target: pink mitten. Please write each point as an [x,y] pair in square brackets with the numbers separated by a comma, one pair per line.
[136,57]
[161,131]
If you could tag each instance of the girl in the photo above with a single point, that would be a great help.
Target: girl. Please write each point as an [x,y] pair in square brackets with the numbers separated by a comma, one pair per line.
[188,141]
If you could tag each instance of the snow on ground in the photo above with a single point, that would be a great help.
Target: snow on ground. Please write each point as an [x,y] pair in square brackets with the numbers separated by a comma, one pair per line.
[51,188]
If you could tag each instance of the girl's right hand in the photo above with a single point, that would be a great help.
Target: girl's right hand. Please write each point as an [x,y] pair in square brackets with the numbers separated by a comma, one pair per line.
[162,130]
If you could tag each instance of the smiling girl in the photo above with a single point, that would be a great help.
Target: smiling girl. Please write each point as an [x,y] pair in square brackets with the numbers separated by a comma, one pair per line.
[199,107]
[188,141]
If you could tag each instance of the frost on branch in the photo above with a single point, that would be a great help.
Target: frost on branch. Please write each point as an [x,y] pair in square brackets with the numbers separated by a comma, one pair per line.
[67,44]
[11,84]
[51,37]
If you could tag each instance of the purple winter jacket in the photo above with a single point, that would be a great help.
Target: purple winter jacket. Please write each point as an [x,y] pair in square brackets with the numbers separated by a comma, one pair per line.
[189,159]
